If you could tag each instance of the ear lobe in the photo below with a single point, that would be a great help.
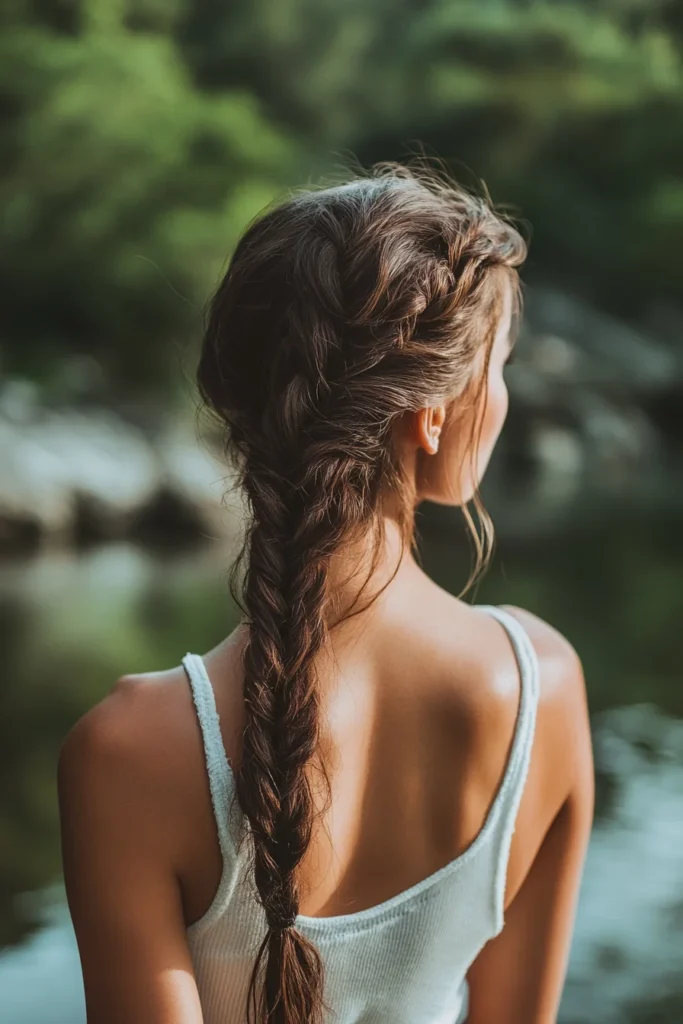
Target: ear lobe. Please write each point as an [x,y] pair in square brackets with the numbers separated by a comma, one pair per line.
[429,423]
[438,420]
[434,435]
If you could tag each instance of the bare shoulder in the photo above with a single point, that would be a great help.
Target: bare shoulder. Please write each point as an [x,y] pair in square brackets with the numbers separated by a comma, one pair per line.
[562,678]
[548,847]
[127,729]
[563,721]
[131,804]
[132,754]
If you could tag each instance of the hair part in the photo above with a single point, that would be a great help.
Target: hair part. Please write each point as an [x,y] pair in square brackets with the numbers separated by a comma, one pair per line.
[341,309]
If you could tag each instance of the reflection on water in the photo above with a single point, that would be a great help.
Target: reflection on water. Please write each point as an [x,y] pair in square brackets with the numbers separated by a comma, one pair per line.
[40,982]
[628,942]
[70,625]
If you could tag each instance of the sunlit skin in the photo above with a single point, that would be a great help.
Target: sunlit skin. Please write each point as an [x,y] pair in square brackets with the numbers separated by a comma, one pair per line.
[445,470]
[419,696]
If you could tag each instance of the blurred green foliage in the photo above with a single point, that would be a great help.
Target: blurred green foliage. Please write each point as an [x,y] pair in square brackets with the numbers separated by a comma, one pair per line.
[139,136]
[124,187]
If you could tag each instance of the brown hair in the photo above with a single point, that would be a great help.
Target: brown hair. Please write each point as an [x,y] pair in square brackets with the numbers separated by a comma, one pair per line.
[342,308]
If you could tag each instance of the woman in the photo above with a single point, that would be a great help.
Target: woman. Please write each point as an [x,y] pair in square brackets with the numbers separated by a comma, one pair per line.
[382,803]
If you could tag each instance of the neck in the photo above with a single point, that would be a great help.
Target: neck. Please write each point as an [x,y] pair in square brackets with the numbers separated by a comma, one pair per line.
[362,571]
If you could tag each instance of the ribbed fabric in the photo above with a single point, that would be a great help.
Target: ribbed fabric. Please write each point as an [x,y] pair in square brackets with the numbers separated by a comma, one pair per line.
[401,962]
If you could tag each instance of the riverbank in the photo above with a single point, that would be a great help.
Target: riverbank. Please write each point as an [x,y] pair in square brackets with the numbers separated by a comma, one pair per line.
[596,416]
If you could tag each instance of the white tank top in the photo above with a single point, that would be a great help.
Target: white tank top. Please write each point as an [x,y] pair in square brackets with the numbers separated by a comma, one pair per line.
[401,962]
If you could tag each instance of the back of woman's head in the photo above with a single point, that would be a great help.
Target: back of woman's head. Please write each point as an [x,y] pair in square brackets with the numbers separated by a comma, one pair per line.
[342,309]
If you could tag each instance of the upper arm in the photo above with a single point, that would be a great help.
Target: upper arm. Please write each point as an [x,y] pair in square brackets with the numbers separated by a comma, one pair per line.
[519,975]
[121,884]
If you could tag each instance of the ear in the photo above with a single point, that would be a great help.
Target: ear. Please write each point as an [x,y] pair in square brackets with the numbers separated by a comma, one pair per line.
[428,426]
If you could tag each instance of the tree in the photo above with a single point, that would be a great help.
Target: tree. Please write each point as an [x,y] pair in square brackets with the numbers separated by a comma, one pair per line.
[125,188]
[569,109]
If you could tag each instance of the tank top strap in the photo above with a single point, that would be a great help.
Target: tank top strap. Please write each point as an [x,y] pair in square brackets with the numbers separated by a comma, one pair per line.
[511,788]
[221,780]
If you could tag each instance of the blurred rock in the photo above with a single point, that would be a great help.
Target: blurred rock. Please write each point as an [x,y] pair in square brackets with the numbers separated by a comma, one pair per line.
[594,408]
[584,425]
[34,499]
[71,475]
[196,494]
[107,466]
[560,461]
[576,344]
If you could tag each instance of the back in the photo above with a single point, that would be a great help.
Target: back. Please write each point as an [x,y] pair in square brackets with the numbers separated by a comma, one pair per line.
[166,918]
[402,961]
[354,353]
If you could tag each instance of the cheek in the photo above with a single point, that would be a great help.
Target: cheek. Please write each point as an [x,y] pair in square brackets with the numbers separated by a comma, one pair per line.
[451,477]
[497,402]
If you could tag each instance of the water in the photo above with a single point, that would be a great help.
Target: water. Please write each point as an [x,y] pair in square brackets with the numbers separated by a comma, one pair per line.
[69,625]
